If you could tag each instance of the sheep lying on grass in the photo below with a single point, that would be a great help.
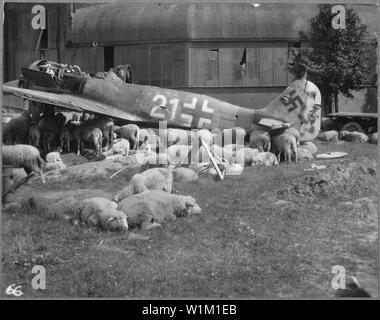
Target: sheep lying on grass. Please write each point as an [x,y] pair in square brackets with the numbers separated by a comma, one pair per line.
[184,175]
[265,158]
[310,146]
[54,162]
[151,179]
[120,146]
[331,135]
[373,138]
[304,154]
[151,208]
[246,154]
[354,136]
[101,213]
[23,156]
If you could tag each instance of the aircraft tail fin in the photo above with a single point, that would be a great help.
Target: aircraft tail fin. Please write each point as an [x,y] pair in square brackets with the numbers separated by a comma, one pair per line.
[297,106]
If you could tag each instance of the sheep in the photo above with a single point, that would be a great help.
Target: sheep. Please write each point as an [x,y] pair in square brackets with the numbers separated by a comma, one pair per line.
[310,146]
[184,175]
[151,179]
[54,162]
[70,116]
[88,134]
[53,157]
[106,125]
[304,154]
[260,140]
[60,119]
[58,165]
[64,137]
[151,208]
[148,136]
[49,127]
[266,158]
[101,213]
[23,156]
[294,132]
[246,155]
[34,135]
[357,137]
[131,133]
[331,135]
[178,153]
[16,130]
[120,146]
[285,144]
[373,138]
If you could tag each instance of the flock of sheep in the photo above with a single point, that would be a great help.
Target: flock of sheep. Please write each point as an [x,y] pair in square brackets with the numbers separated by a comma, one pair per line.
[147,199]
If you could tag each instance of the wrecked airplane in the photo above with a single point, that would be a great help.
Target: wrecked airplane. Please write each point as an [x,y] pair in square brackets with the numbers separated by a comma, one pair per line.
[111,95]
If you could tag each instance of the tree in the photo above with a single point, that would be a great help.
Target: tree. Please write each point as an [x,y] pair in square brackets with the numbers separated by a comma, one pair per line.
[335,60]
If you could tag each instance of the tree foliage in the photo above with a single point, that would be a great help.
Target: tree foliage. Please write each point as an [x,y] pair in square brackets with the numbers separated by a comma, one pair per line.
[335,60]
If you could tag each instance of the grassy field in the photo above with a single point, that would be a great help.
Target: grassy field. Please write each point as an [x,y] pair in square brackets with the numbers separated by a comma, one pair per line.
[271,232]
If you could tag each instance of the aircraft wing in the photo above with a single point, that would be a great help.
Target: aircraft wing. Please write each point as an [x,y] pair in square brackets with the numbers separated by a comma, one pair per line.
[71,102]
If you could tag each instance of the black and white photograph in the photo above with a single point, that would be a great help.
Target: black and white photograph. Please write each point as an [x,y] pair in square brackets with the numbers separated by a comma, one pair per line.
[189,150]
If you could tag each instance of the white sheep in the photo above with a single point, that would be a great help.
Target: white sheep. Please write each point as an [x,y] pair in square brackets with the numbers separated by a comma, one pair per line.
[23,156]
[53,157]
[150,137]
[119,146]
[247,155]
[310,146]
[131,132]
[151,208]
[373,138]
[357,137]
[184,175]
[295,133]
[178,153]
[101,213]
[261,140]
[285,144]
[304,154]
[331,135]
[265,158]
[151,179]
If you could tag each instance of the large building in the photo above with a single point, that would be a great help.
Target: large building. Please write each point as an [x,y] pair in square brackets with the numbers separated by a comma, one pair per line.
[235,52]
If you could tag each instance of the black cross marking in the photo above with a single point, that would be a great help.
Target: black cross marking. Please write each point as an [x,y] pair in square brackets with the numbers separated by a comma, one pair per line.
[197,113]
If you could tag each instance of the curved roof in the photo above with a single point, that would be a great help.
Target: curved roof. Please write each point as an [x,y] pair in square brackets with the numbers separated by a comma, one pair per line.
[121,23]
[150,22]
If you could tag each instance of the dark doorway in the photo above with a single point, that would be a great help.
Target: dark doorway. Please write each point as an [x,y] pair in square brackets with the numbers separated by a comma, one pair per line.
[108,58]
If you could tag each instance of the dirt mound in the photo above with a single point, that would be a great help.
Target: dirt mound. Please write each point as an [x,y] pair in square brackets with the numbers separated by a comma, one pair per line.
[365,208]
[345,177]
